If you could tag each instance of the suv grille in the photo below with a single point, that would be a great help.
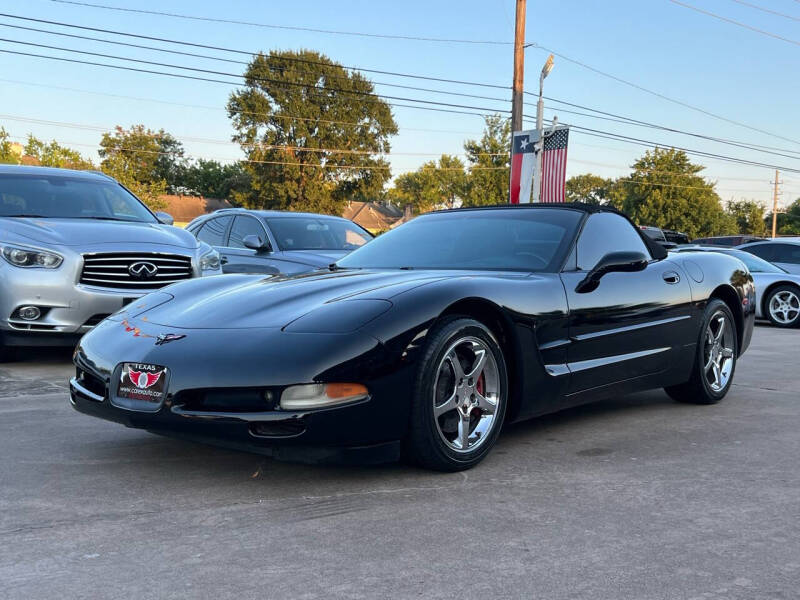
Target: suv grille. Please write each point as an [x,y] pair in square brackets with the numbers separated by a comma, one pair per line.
[134,270]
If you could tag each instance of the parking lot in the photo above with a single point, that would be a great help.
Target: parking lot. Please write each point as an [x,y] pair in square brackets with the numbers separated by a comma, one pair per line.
[637,497]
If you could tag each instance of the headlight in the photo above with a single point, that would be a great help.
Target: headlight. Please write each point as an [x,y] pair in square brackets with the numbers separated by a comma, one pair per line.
[321,395]
[27,258]
[210,261]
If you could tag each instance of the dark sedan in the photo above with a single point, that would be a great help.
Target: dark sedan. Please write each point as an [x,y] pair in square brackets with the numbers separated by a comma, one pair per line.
[425,340]
[276,242]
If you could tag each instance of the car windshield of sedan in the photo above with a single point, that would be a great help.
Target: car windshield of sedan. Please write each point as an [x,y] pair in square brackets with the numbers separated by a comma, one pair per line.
[521,239]
[62,197]
[309,233]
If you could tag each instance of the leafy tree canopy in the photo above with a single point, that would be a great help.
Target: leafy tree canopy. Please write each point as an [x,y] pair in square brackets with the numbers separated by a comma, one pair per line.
[434,185]
[489,164]
[788,222]
[54,154]
[312,130]
[588,188]
[212,179]
[665,190]
[146,162]
[8,156]
[749,216]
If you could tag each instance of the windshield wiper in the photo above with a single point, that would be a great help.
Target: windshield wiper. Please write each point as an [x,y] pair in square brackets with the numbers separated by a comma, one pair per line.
[25,216]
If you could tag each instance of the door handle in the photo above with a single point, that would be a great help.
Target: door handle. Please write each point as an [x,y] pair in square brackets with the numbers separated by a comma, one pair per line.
[671,277]
[223,260]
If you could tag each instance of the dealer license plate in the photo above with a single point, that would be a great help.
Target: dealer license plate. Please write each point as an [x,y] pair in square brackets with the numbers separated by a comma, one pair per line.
[143,382]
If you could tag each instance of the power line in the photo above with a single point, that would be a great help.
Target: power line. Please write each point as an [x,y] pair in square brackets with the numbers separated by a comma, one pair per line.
[285,27]
[248,52]
[219,108]
[487,111]
[660,95]
[608,116]
[767,10]
[734,22]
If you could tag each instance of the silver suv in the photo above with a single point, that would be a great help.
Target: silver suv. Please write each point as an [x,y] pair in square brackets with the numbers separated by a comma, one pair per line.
[76,246]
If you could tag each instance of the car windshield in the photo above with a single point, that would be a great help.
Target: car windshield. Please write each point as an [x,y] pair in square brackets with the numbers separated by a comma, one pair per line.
[754,263]
[514,240]
[310,233]
[60,197]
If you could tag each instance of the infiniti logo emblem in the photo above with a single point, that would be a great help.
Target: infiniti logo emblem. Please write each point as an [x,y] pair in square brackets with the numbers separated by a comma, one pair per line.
[143,270]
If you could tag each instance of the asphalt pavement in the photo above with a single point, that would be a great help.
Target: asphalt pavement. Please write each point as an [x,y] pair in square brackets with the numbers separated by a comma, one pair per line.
[632,498]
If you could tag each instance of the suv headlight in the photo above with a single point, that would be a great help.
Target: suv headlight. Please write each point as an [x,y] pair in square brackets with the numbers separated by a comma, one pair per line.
[210,261]
[28,258]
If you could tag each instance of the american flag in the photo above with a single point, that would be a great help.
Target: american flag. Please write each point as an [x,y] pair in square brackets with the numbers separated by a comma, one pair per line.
[554,165]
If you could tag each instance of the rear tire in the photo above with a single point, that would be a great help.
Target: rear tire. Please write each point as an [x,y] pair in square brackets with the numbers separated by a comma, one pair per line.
[782,306]
[715,359]
[460,397]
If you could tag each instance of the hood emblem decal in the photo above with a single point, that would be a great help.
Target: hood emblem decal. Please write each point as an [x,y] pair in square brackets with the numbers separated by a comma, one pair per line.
[166,338]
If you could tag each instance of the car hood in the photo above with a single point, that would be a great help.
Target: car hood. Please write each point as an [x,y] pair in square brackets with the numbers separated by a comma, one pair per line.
[315,258]
[80,232]
[247,301]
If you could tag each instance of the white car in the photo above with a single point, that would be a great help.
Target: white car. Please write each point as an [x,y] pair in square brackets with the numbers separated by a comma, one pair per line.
[784,252]
[777,291]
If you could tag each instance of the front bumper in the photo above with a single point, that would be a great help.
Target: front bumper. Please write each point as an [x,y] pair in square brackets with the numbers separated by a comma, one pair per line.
[225,363]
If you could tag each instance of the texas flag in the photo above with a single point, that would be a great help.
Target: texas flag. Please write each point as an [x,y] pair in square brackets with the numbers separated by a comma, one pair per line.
[523,164]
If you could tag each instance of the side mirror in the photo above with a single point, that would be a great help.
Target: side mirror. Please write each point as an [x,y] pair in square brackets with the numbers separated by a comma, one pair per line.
[254,243]
[613,262]
[165,218]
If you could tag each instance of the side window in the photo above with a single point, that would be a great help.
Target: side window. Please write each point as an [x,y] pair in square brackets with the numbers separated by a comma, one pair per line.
[765,251]
[787,253]
[604,233]
[213,232]
[242,227]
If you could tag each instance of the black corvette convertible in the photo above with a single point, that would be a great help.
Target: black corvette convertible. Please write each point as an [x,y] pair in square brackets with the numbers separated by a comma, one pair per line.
[424,341]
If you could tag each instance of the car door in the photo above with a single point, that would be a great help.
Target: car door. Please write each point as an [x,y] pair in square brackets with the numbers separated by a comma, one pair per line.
[236,258]
[634,323]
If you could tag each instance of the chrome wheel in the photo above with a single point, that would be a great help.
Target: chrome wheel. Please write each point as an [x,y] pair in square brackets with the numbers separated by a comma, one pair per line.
[718,351]
[784,307]
[466,394]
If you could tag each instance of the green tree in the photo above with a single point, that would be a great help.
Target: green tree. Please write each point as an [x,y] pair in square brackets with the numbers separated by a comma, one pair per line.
[442,185]
[212,179]
[141,160]
[489,163]
[55,155]
[312,131]
[665,190]
[8,156]
[788,222]
[749,216]
[588,188]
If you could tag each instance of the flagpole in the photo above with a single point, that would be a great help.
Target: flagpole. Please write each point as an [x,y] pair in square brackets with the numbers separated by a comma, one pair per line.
[537,174]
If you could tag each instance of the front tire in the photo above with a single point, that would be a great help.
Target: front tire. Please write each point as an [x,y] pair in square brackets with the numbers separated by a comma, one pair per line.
[715,360]
[782,306]
[6,352]
[460,396]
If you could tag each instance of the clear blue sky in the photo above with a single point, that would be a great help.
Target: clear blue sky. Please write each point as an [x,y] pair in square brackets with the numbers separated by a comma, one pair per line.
[717,66]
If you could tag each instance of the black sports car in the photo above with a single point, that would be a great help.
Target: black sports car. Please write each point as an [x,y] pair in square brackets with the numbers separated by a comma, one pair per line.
[425,341]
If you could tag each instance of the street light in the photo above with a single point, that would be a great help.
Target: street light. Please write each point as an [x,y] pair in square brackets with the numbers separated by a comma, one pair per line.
[537,176]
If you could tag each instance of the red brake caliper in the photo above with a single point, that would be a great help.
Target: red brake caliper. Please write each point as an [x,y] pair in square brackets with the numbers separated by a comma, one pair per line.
[481,384]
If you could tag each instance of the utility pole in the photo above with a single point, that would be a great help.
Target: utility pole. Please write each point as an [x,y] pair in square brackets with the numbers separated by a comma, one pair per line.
[519,68]
[775,205]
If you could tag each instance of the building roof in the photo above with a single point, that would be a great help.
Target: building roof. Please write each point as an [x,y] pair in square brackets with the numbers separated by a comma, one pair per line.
[185,208]
[372,215]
